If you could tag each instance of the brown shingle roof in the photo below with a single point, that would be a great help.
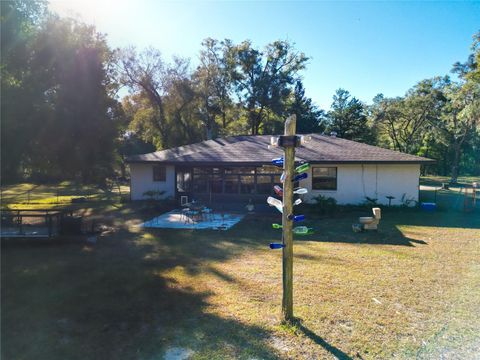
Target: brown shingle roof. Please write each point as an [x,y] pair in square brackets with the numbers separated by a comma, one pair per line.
[254,150]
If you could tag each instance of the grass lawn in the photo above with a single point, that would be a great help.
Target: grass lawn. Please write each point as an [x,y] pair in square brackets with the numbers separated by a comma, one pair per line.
[438,180]
[33,196]
[410,290]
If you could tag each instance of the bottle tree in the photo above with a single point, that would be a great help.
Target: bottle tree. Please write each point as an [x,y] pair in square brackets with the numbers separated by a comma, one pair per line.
[290,174]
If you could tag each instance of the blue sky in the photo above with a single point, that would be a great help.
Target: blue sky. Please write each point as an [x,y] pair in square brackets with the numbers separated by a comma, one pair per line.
[364,47]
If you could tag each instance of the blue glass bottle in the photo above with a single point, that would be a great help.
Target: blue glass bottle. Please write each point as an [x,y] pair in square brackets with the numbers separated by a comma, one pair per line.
[296,218]
[278,161]
[300,177]
[276,246]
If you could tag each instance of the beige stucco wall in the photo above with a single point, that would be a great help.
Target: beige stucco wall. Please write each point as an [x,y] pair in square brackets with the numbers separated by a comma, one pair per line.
[355,182]
[142,180]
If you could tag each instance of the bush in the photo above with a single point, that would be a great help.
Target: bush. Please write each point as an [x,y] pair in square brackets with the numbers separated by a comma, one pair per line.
[408,202]
[153,194]
[325,205]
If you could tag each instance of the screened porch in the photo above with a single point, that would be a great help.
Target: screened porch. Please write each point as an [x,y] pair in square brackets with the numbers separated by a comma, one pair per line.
[216,183]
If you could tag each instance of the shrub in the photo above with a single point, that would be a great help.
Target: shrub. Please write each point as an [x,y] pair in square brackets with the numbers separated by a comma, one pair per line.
[325,205]
[153,194]
[408,202]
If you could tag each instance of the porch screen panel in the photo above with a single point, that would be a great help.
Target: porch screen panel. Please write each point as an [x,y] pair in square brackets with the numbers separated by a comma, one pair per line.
[217,183]
[247,184]
[240,170]
[231,184]
[269,169]
[264,184]
[201,179]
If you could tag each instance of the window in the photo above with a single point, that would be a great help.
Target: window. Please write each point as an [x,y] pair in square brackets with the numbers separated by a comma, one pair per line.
[159,173]
[324,178]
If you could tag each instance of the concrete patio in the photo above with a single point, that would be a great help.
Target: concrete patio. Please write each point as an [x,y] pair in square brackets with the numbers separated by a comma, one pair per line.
[176,220]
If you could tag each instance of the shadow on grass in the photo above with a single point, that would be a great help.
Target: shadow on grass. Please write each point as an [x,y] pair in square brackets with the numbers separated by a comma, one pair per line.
[114,300]
[339,354]
[339,229]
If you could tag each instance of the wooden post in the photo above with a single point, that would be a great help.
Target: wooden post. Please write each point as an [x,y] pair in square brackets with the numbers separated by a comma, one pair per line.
[287,260]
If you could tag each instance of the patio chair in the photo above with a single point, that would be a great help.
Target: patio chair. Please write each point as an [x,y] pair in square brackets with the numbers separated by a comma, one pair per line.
[185,213]
[190,215]
[208,214]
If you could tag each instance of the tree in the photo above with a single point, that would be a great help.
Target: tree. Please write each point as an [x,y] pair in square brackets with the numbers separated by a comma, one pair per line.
[213,85]
[145,72]
[348,118]
[58,114]
[76,130]
[263,80]
[459,121]
[461,118]
[20,22]
[403,122]
[309,117]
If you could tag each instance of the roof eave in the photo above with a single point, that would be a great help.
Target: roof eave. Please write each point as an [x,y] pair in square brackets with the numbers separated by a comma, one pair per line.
[245,163]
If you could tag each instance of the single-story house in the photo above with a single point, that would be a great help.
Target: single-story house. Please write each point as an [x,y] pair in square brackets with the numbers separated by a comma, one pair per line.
[239,168]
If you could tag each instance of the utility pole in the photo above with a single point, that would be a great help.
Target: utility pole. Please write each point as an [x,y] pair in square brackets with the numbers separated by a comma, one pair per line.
[287,259]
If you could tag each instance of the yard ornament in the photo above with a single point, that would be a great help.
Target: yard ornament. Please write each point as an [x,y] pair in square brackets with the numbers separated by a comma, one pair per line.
[278,161]
[275,202]
[278,190]
[299,230]
[303,230]
[300,177]
[289,141]
[296,218]
[300,191]
[302,168]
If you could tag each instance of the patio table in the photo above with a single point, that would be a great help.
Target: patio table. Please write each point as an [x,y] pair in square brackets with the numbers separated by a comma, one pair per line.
[195,206]
[198,208]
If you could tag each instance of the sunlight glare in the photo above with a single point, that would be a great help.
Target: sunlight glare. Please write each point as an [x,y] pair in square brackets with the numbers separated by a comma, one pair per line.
[93,12]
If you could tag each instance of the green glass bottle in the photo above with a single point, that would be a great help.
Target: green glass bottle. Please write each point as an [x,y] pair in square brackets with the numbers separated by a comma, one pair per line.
[302,168]
[302,230]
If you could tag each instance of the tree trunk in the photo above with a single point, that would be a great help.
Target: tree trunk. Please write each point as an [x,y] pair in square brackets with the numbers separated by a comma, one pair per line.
[457,148]
[209,132]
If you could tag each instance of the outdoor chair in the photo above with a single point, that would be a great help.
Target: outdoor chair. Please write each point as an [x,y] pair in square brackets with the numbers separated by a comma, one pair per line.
[191,216]
[185,215]
[208,214]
